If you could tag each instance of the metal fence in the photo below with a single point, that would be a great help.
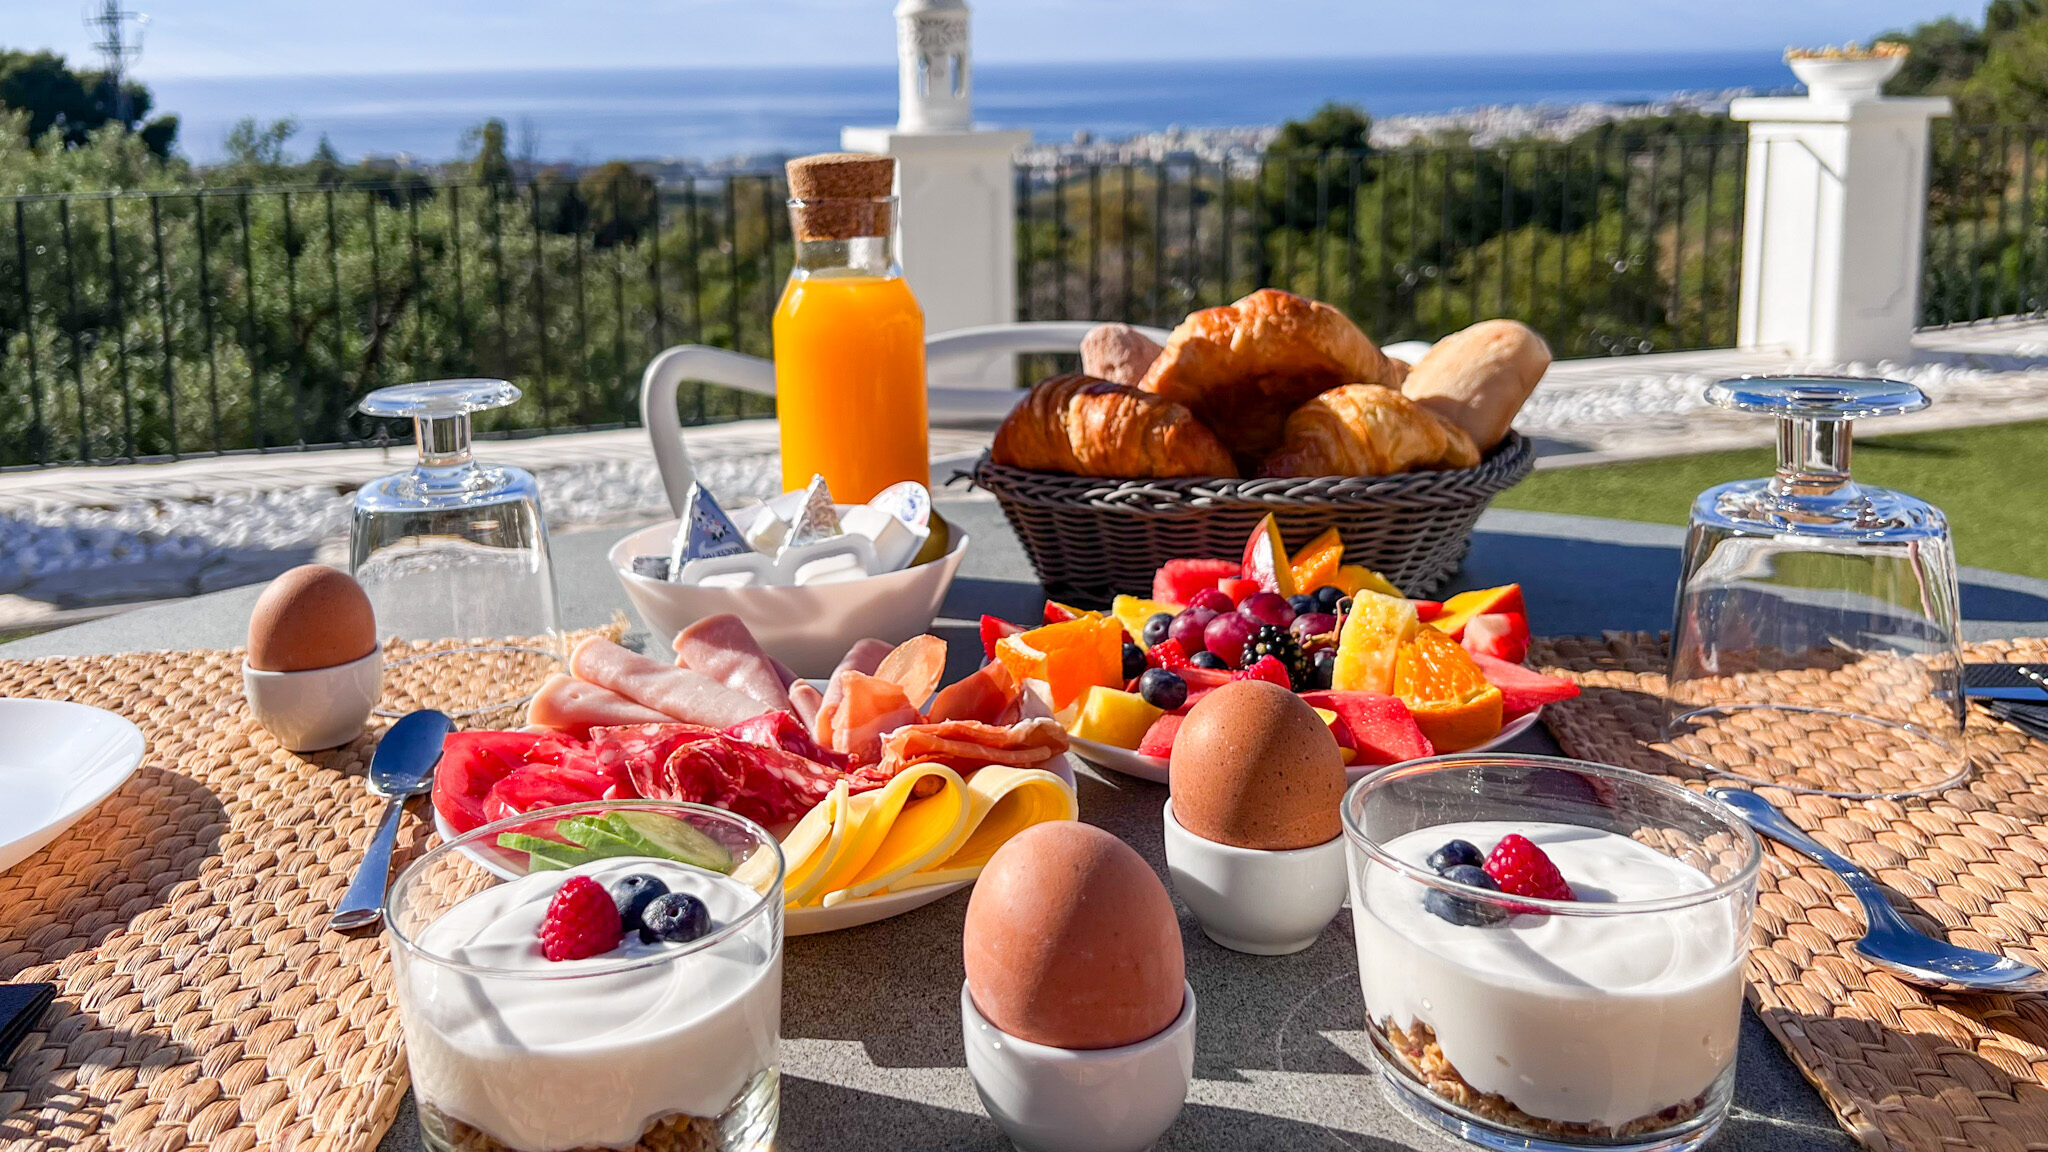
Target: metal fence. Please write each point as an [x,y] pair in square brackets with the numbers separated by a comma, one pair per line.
[1608,245]
[1987,250]
[160,324]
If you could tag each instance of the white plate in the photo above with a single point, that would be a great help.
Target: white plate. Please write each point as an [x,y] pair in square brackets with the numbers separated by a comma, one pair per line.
[808,921]
[57,760]
[1152,768]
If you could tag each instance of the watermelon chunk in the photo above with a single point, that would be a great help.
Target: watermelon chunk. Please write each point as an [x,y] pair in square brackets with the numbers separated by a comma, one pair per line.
[1378,728]
[1158,739]
[1177,581]
[1523,689]
[1237,588]
[994,628]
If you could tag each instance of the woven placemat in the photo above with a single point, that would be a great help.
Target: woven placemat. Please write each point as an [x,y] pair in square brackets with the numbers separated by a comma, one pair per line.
[1904,1069]
[201,1002]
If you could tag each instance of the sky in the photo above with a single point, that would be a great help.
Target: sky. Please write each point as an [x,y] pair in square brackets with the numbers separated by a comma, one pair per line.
[194,38]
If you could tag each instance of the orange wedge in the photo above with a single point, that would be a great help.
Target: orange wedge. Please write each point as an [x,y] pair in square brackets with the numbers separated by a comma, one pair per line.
[1071,656]
[1446,692]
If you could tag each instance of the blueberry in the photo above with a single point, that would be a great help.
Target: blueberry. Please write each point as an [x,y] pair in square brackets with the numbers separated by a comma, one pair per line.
[1134,661]
[1327,596]
[674,918]
[1302,603]
[1208,659]
[1455,853]
[1163,689]
[1156,626]
[1459,910]
[1342,607]
[633,894]
[1323,667]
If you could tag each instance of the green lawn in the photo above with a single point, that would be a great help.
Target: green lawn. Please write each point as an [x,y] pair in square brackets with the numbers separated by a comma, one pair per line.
[1992,482]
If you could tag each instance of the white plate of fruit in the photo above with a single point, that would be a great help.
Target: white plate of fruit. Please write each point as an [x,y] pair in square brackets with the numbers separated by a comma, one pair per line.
[1396,679]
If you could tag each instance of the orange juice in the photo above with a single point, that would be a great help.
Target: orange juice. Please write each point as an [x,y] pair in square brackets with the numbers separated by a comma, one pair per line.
[849,382]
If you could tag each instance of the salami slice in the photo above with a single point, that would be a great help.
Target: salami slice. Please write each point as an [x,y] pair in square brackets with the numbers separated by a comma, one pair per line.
[769,786]
[641,751]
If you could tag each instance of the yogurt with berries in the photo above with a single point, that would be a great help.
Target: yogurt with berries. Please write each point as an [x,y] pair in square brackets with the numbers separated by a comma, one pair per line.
[1579,1024]
[538,1055]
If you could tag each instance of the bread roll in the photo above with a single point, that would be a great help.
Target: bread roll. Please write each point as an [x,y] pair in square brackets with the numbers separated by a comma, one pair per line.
[1087,427]
[1367,430]
[1243,367]
[1480,377]
[1117,353]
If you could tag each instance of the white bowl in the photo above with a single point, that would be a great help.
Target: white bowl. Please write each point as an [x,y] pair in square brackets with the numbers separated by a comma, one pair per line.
[319,707]
[1265,902]
[1845,79]
[57,761]
[808,628]
[1049,1099]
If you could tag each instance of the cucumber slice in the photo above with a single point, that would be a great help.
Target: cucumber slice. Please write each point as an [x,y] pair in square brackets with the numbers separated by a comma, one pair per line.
[598,839]
[544,854]
[653,834]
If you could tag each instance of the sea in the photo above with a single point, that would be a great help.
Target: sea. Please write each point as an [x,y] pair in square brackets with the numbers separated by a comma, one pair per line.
[708,114]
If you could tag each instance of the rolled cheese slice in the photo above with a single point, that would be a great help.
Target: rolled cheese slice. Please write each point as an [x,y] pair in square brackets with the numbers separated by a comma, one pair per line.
[1005,802]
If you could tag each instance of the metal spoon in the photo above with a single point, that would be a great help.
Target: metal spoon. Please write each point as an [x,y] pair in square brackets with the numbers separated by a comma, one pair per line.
[401,768]
[1889,941]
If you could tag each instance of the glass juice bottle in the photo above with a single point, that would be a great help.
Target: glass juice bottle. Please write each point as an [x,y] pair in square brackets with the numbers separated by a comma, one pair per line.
[849,336]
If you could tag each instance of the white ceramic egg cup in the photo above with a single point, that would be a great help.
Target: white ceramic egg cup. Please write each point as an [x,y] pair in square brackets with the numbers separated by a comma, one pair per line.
[1049,1099]
[1256,900]
[319,707]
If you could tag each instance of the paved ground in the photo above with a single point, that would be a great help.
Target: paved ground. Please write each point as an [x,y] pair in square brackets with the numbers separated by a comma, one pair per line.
[82,542]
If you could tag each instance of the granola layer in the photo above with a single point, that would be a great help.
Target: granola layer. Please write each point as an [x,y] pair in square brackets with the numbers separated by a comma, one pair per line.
[1424,1057]
[672,1133]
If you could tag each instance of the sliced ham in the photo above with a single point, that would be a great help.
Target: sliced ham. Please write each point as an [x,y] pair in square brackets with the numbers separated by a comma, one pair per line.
[916,665]
[868,709]
[805,700]
[983,695]
[566,704]
[722,648]
[681,694]
[964,745]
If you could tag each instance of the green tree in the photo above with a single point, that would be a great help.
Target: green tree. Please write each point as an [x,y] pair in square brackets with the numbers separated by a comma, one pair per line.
[256,151]
[75,104]
[2012,83]
[488,164]
[622,201]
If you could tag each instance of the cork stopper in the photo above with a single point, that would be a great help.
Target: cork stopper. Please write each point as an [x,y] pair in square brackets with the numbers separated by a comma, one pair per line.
[843,195]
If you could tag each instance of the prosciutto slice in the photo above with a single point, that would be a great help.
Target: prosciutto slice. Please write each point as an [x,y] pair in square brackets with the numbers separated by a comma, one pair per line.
[679,693]
[574,706]
[983,695]
[964,745]
[722,648]
[864,657]
[916,666]
[868,709]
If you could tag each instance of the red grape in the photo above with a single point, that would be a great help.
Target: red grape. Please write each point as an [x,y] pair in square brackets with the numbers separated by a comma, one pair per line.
[1187,628]
[1227,635]
[1312,624]
[1213,600]
[1268,608]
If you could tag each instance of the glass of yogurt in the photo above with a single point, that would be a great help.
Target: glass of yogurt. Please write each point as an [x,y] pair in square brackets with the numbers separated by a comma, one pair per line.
[665,1040]
[1551,950]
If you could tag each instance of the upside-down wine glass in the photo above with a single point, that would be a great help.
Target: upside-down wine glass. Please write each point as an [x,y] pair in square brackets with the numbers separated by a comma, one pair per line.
[454,556]
[1816,644]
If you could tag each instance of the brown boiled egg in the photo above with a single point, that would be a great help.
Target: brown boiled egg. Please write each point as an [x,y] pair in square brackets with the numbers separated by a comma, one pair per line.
[1071,940]
[310,617]
[1254,767]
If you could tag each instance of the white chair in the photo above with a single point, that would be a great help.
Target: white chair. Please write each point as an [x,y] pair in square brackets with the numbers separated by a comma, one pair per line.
[982,354]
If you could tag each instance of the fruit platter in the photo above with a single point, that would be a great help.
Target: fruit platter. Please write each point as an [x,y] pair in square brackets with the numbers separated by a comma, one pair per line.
[1395,679]
[887,790]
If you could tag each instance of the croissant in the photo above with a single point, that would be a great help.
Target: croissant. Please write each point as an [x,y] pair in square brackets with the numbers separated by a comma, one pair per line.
[1243,367]
[1367,430]
[1088,427]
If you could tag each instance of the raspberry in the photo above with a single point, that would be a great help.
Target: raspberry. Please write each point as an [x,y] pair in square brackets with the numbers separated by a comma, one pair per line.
[582,920]
[1167,654]
[1268,668]
[1521,869]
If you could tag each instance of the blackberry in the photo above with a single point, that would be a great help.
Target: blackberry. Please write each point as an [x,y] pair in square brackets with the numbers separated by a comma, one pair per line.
[1277,642]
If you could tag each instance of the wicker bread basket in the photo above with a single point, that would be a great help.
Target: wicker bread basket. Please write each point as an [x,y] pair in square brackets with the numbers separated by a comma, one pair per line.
[1091,538]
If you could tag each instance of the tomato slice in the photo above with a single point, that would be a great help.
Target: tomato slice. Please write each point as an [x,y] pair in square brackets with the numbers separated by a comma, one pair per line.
[540,786]
[471,764]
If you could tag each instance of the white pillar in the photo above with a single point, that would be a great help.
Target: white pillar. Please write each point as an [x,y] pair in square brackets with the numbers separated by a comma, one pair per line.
[1834,222]
[958,186]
